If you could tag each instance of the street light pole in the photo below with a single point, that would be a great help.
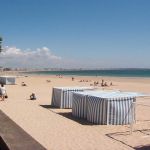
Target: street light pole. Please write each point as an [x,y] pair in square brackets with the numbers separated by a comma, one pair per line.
[1,44]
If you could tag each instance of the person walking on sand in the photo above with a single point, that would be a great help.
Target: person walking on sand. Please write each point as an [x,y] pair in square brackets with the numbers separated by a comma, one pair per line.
[2,92]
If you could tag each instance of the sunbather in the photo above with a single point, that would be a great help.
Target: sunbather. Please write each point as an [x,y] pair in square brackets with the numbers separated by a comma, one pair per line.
[32,96]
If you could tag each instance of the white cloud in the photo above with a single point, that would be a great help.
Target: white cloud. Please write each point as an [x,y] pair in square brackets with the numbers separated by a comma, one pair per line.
[41,57]
[44,58]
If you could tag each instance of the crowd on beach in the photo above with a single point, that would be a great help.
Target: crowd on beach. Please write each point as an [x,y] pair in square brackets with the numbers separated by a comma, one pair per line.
[59,76]
[96,83]
[33,96]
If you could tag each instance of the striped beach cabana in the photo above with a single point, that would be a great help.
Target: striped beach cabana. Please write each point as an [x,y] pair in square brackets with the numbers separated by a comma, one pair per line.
[7,80]
[116,108]
[114,111]
[79,105]
[62,96]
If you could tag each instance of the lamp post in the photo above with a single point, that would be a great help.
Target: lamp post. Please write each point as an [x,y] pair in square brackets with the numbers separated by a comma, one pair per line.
[1,44]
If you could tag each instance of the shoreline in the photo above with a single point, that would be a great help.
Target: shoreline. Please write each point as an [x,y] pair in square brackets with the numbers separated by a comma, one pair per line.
[138,73]
[33,73]
[132,79]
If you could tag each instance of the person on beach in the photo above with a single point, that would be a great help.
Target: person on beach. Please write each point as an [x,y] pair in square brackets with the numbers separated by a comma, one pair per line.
[111,83]
[102,84]
[2,92]
[105,84]
[32,96]
[48,80]
[23,84]
[95,83]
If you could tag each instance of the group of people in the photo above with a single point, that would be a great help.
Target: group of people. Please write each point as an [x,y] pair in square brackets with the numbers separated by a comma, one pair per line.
[3,93]
[85,81]
[59,76]
[23,84]
[103,83]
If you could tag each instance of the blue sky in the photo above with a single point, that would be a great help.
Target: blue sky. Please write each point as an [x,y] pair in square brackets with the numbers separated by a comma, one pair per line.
[80,33]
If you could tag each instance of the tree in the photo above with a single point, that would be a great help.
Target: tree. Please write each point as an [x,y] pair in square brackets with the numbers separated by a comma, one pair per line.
[1,44]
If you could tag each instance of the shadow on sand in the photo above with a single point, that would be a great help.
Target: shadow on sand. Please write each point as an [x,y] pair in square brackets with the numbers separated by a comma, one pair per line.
[127,133]
[67,115]
[49,106]
[111,135]
[146,147]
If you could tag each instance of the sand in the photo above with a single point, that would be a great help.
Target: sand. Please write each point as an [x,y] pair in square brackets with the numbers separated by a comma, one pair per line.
[56,130]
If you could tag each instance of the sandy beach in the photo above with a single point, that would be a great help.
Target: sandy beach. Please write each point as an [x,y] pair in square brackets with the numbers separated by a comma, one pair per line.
[56,129]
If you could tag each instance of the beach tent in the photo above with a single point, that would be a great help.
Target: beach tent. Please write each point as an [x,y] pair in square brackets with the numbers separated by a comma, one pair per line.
[62,96]
[105,107]
[7,80]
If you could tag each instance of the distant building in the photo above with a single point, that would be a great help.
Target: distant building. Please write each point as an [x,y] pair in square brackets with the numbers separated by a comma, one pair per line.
[7,69]
[1,68]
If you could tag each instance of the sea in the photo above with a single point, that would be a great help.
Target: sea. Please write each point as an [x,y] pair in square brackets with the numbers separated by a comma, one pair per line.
[104,72]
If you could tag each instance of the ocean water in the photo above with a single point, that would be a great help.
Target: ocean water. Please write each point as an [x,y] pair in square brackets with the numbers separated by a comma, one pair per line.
[112,73]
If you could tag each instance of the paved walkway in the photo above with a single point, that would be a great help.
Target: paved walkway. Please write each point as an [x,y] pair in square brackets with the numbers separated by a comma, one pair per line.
[15,137]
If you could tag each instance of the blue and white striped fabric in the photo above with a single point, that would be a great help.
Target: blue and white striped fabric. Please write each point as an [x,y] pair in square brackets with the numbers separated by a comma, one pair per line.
[117,111]
[56,97]
[79,106]
[96,110]
[62,96]
[103,107]
[79,102]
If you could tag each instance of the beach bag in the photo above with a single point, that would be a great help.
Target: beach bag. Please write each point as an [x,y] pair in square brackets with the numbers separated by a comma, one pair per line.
[6,96]
[1,92]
